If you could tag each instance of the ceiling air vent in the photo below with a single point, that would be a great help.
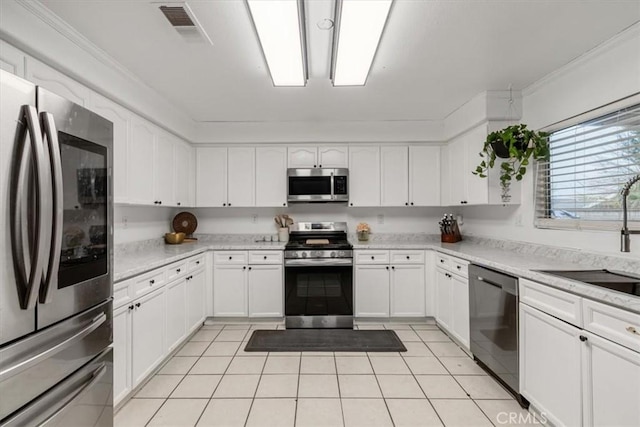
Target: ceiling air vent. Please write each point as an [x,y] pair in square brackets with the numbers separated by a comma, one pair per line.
[181,17]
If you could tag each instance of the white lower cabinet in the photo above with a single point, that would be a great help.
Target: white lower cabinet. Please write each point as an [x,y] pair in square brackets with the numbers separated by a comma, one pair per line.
[372,290]
[460,309]
[452,297]
[147,335]
[195,295]
[266,297]
[122,353]
[550,366]
[176,319]
[390,283]
[582,374]
[407,290]
[248,284]
[444,299]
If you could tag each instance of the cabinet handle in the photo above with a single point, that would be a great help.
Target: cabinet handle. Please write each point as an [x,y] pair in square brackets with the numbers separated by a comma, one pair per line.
[284,204]
[178,270]
[197,262]
[244,268]
[583,338]
[249,268]
[178,203]
[408,257]
[230,258]
[350,204]
[137,304]
[458,267]
[265,257]
[160,202]
[387,267]
[131,307]
[319,166]
[151,282]
[406,203]
[228,204]
[314,166]
[441,260]
[393,267]
[372,257]
[632,330]
[224,204]
[411,203]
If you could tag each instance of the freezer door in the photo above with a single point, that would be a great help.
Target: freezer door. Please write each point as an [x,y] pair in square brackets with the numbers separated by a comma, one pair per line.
[83,399]
[19,131]
[32,366]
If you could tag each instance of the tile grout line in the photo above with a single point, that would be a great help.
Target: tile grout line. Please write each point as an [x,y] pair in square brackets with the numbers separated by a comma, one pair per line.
[381,392]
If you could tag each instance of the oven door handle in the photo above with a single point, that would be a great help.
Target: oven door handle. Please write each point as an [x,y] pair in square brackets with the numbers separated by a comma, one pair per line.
[318,262]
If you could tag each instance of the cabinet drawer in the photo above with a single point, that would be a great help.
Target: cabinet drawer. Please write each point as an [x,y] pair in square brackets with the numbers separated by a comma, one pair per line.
[121,294]
[557,303]
[615,324]
[149,282]
[372,257]
[176,270]
[443,261]
[230,257]
[407,257]
[195,262]
[265,257]
[459,266]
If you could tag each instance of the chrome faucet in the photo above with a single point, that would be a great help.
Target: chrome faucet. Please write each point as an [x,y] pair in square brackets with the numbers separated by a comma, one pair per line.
[625,241]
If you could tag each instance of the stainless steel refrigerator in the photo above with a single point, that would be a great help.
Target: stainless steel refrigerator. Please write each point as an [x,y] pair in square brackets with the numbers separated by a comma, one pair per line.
[56,248]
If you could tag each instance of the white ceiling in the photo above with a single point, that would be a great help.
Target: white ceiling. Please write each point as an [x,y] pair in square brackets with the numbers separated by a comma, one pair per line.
[434,55]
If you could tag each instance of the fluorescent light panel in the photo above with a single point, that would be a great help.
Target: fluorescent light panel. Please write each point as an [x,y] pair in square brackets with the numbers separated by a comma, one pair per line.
[360,27]
[280,30]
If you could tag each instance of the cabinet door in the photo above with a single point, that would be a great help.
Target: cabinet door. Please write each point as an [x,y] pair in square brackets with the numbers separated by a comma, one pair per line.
[302,157]
[241,184]
[266,291]
[394,181]
[176,319]
[121,128]
[53,80]
[550,366]
[11,59]
[183,171]
[364,176]
[147,335]
[230,290]
[140,164]
[460,309]
[372,290]
[164,160]
[333,157]
[271,176]
[444,295]
[445,177]
[424,176]
[477,188]
[121,353]
[211,177]
[611,378]
[196,299]
[457,171]
[407,290]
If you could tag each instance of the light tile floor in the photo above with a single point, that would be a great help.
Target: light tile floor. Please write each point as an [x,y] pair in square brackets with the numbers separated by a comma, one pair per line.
[212,382]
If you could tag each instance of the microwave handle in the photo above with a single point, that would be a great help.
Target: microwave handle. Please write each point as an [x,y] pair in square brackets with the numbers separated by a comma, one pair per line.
[333,190]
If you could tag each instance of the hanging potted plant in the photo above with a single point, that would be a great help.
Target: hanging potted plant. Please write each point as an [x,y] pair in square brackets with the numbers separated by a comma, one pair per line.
[517,145]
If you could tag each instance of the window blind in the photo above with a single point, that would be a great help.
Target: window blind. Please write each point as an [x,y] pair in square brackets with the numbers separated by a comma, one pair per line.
[579,187]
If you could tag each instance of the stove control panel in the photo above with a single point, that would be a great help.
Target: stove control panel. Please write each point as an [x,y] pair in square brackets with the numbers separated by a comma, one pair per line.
[318,254]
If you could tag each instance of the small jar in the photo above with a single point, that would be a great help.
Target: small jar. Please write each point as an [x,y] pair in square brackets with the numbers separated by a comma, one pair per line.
[363,236]
[283,234]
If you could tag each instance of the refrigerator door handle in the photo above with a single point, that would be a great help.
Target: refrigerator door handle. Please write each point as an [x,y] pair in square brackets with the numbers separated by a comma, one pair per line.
[27,208]
[53,147]
[25,364]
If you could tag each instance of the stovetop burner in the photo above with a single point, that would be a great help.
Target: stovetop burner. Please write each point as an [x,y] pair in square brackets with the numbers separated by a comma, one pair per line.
[305,240]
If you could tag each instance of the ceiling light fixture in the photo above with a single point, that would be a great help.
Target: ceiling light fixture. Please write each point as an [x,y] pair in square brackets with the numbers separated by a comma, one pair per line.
[280,28]
[359,25]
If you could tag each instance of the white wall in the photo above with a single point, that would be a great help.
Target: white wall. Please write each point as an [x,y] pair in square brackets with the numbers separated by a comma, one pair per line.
[607,73]
[134,223]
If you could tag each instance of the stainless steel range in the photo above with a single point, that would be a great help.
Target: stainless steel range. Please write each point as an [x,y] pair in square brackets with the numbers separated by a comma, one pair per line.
[318,263]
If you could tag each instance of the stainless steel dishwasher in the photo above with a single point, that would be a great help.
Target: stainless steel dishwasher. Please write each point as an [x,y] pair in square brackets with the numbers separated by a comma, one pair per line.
[493,313]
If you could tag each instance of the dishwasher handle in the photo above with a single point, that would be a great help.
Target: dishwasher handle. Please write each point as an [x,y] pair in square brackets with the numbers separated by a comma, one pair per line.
[510,288]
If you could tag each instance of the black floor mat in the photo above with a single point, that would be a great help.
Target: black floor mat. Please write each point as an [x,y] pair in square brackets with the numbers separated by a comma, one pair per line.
[324,340]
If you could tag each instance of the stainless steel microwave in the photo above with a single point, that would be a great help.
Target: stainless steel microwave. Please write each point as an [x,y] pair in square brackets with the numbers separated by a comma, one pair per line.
[317,185]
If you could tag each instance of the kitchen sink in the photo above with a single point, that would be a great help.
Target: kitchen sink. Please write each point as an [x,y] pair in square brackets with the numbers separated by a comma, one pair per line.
[614,280]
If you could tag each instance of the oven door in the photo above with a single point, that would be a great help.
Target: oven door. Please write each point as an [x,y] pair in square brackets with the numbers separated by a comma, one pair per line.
[78,269]
[319,293]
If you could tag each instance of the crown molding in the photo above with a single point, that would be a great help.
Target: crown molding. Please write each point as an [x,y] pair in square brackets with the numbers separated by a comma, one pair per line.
[629,33]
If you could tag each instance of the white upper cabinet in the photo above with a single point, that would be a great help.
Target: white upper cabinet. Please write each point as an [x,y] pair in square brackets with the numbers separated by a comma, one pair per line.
[364,176]
[11,59]
[271,176]
[164,178]
[424,175]
[241,178]
[184,174]
[445,176]
[211,177]
[394,176]
[56,82]
[456,172]
[477,188]
[318,157]
[121,120]
[140,164]
[333,157]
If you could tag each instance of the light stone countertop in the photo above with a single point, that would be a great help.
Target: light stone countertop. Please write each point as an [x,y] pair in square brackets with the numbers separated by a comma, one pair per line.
[515,258]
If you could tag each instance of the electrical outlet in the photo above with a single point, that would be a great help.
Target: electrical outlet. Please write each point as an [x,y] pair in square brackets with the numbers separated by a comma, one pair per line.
[254,218]
[381,219]
[125,222]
